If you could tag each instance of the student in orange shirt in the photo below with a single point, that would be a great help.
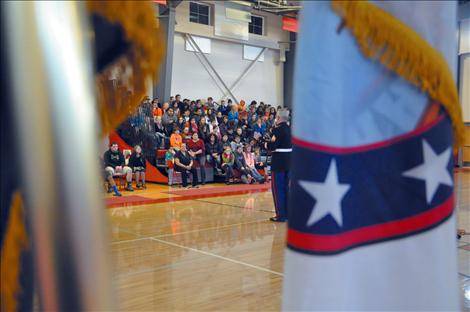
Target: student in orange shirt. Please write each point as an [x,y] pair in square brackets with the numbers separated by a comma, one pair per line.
[176,139]
[157,111]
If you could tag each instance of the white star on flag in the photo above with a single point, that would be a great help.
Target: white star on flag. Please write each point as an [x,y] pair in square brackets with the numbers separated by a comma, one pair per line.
[328,196]
[433,170]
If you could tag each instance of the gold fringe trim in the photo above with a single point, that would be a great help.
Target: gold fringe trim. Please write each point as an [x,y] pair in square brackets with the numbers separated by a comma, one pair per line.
[399,48]
[14,243]
[118,100]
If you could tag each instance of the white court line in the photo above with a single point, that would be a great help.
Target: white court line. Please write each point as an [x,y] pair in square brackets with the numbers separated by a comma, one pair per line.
[217,256]
[130,240]
[210,228]
[167,235]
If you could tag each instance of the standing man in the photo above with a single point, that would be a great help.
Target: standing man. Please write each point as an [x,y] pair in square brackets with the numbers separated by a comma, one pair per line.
[281,148]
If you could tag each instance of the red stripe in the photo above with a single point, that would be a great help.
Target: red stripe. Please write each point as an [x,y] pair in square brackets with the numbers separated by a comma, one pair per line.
[273,183]
[333,243]
[367,147]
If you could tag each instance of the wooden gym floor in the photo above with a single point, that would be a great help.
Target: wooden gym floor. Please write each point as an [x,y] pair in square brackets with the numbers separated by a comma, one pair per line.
[212,248]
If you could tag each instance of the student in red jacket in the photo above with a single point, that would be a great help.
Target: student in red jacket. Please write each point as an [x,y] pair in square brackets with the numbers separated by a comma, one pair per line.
[197,150]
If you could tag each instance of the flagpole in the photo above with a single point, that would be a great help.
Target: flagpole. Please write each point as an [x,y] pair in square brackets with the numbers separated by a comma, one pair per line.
[52,77]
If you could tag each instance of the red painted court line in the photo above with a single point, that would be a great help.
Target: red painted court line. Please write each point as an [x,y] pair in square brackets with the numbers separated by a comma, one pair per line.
[150,201]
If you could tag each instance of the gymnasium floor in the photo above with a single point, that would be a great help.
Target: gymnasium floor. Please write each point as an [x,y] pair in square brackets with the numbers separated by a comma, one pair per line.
[213,249]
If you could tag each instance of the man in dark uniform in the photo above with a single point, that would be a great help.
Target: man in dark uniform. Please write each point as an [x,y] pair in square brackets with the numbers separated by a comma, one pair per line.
[281,148]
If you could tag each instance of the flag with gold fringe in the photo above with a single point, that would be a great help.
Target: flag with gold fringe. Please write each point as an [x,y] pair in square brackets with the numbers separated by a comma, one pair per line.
[375,119]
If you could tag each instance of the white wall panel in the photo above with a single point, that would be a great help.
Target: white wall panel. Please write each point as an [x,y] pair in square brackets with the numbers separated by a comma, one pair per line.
[250,53]
[190,79]
[203,43]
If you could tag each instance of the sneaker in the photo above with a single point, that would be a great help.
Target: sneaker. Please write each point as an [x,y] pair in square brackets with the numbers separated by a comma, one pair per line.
[118,194]
[144,186]
[129,188]
[110,190]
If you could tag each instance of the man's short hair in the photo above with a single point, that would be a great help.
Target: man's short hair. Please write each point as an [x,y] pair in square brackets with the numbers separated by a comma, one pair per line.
[283,113]
[112,143]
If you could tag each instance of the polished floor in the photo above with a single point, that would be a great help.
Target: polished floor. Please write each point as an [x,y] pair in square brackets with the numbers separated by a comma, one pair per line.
[214,251]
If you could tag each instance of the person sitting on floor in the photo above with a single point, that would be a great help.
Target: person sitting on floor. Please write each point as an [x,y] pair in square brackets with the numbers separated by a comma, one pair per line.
[250,164]
[114,163]
[241,166]
[138,164]
[228,159]
[184,164]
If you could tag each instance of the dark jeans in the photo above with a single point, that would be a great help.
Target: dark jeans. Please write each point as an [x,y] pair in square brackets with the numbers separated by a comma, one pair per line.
[201,159]
[213,160]
[228,171]
[185,173]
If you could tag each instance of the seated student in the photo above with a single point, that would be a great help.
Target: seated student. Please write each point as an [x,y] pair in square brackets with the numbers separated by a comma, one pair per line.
[181,123]
[156,110]
[160,132]
[240,165]
[219,118]
[224,107]
[259,164]
[228,159]
[184,164]
[241,134]
[230,132]
[193,126]
[271,121]
[236,141]
[259,127]
[216,131]
[186,135]
[170,162]
[233,115]
[213,151]
[223,125]
[138,164]
[197,150]
[169,117]
[250,164]
[204,129]
[225,142]
[176,139]
[187,117]
[114,162]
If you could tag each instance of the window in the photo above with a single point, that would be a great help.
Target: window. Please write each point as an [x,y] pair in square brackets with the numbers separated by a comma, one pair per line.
[203,43]
[199,13]
[256,25]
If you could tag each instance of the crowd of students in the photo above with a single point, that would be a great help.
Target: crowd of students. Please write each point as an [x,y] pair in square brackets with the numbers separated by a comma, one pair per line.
[228,136]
